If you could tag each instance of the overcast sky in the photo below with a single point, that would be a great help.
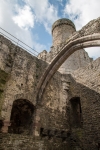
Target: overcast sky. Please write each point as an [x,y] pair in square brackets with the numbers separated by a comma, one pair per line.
[31,20]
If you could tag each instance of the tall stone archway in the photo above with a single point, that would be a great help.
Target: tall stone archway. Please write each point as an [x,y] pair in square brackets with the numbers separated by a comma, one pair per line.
[22,116]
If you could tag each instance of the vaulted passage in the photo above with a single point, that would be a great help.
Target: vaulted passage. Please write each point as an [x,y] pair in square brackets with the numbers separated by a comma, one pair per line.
[22,116]
[76,112]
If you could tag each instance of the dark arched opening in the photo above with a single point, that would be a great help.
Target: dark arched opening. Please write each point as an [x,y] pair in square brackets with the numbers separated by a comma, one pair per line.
[22,116]
[1,124]
[76,112]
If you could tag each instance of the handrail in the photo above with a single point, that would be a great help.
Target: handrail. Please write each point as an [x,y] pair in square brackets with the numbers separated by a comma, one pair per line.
[19,41]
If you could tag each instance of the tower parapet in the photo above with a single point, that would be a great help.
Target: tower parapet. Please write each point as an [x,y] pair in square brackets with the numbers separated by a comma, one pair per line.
[61,30]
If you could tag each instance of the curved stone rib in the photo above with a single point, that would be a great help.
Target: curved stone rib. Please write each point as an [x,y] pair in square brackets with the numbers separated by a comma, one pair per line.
[90,28]
[94,36]
[71,47]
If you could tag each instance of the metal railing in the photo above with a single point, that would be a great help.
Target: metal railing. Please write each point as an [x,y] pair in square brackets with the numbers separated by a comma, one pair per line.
[18,42]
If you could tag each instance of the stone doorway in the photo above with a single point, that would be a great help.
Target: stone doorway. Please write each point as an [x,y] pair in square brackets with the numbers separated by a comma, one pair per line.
[76,112]
[22,116]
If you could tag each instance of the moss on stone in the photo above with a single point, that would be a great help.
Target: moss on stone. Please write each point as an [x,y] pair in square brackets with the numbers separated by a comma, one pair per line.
[1,91]
[36,76]
[3,80]
[79,133]
[37,65]
[3,74]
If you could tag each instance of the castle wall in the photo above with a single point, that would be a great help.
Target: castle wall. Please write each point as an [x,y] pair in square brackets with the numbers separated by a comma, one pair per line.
[77,60]
[16,142]
[87,135]
[52,126]
[89,75]
[23,73]
[58,135]
[61,34]
[62,30]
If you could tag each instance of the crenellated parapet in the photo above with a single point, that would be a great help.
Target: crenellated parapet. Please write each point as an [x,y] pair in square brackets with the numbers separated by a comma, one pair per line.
[61,30]
[61,22]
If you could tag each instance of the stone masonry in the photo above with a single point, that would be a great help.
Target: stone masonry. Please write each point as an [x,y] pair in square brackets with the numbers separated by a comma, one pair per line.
[61,31]
[67,117]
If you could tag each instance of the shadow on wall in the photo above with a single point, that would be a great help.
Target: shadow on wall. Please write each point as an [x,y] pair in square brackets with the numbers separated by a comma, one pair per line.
[76,112]
[83,113]
[22,116]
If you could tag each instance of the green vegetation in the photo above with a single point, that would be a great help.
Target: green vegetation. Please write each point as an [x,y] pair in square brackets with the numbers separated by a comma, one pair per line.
[3,80]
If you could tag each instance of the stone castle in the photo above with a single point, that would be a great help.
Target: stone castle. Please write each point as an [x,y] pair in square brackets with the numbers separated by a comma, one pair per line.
[67,115]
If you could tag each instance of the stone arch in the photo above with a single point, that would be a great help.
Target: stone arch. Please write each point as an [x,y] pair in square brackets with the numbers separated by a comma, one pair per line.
[70,47]
[88,36]
[22,117]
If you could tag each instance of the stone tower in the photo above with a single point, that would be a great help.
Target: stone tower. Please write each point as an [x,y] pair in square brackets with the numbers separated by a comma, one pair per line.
[61,30]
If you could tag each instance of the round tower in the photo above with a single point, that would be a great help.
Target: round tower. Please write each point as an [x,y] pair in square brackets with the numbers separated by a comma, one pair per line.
[61,30]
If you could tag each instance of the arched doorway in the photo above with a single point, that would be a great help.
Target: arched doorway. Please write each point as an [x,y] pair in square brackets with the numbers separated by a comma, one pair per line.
[76,112]
[22,116]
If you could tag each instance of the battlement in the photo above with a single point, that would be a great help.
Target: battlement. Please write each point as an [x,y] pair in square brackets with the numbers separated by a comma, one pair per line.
[61,30]
[62,21]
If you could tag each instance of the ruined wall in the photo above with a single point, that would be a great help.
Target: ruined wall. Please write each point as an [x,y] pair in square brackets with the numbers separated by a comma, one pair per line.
[24,72]
[85,85]
[62,29]
[16,142]
[89,75]
[21,73]
[3,79]
[86,134]
[77,60]
[53,125]
[53,115]
[83,135]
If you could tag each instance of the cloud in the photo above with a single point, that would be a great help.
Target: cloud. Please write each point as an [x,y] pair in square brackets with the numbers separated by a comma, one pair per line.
[17,23]
[24,17]
[94,52]
[59,0]
[81,13]
[45,12]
